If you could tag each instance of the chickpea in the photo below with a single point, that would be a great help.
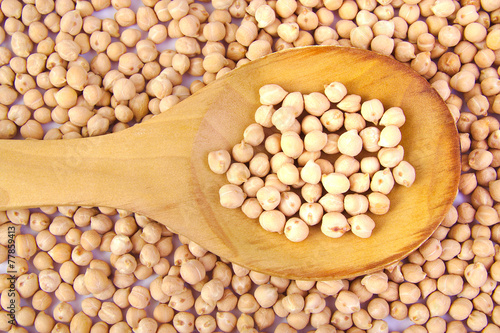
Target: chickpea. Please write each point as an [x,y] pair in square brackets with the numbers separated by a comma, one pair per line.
[350,143]
[291,143]
[350,103]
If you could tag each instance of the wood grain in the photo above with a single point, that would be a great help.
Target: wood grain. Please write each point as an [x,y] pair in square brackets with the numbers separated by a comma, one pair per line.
[159,168]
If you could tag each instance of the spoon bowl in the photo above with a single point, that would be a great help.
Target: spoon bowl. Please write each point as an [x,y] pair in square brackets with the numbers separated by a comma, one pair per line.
[159,168]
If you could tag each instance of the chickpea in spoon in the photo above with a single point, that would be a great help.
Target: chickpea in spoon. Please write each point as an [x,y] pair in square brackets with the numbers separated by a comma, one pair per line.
[297,119]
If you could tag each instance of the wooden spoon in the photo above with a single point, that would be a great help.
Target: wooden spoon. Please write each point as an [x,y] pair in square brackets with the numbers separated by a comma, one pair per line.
[159,168]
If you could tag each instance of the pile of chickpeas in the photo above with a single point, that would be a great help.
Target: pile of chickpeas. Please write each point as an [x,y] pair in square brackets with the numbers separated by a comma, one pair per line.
[324,133]
[97,269]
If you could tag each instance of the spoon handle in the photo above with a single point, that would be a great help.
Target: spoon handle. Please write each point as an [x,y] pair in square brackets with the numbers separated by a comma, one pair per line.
[62,172]
[131,169]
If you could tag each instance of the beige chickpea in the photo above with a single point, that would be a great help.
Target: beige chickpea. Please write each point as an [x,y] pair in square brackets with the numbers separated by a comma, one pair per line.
[382,44]
[129,64]
[21,44]
[354,121]
[362,319]
[285,8]
[272,220]
[390,136]
[226,321]
[273,143]
[266,295]
[355,204]
[283,118]
[95,280]
[63,312]
[264,15]
[44,322]
[214,31]
[477,320]
[426,287]
[25,246]
[120,244]
[80,256]
[49,280]
[110,313]
[333,120]
[316,103]
[45,240]
[289,31]
[382,181]
[376,283]
[490,86]
[475,32]
[80,322]
[237,173]
[288,174]
[26,316]
[334,225]
[361,36]
[263,115]
[347,302]
[124,90]
[492,40]
[370,137]
[398,310]
[27,285]
[335,183]
[242,152]
[251,208]
[149,255]
[315,140]
[335,92]
[219,161]
[139,297]
[41,300]
[296,230]
[69,271]
[254,134]
[484,303]
[258,48]
[311,213]
[332,202]
[478,104]
[192,271]
[268,197]
[65,292]
[450,284]
[475,274]
[359,182]
[438,303]
[311,172]
[60,253]
[350,143]
[291,144]
[460,309]
[214,62]
[390,157]
[378,308]
[462,81]
[361,225]
[252,185]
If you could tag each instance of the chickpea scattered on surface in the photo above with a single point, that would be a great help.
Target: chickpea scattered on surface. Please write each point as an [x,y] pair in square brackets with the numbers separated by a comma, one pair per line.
[54,61]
